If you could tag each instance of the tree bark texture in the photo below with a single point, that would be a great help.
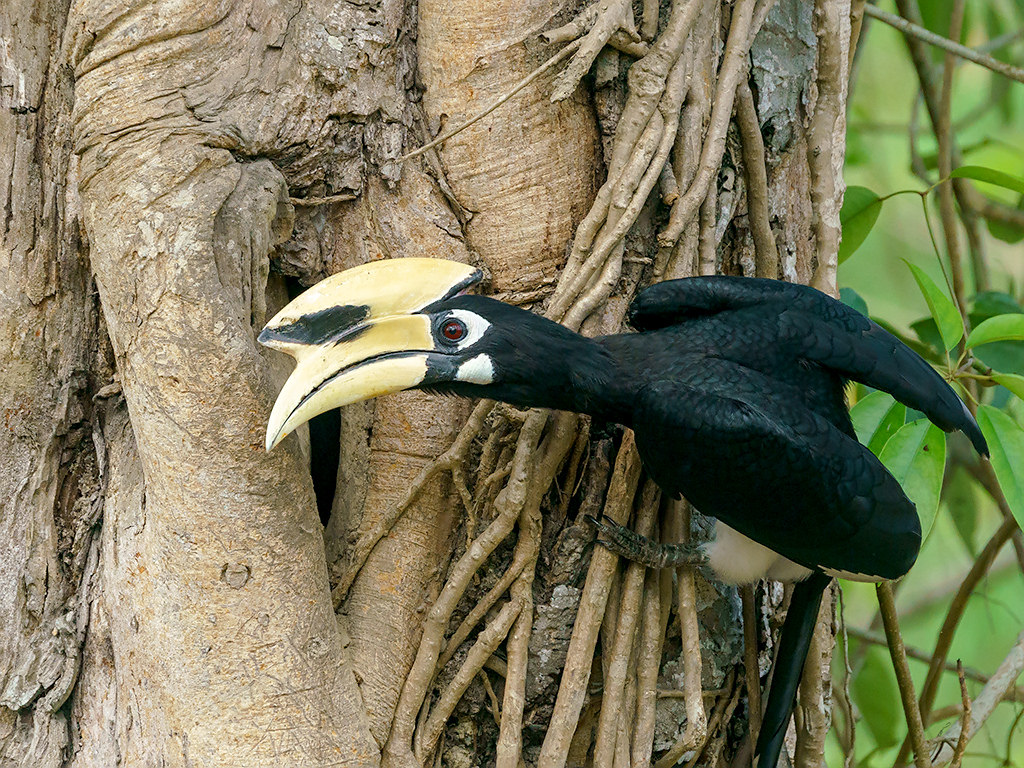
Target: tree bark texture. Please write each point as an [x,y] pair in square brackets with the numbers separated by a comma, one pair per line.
[166,584]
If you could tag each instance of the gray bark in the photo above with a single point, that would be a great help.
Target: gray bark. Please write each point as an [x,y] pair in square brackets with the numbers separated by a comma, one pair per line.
[164,582]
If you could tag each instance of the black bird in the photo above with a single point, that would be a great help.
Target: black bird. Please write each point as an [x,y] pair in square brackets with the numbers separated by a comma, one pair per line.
[734,388]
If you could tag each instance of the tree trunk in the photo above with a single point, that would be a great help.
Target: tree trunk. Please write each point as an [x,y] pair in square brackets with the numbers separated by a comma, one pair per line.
[176,173]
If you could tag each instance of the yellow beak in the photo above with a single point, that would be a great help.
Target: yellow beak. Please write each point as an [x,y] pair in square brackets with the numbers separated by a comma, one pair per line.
[357,335]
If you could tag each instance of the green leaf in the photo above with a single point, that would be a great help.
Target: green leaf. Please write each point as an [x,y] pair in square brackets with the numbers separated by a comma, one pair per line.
[859,213]
[926,330]
[853,300]
[1012,381]
[989,176]
[1005,231]
[986,304]
[960,497]
[935,16]
[876,418]
[943,312]
[1006,444]
[877,697]
[1002,356]
[916,457]
[1008,327]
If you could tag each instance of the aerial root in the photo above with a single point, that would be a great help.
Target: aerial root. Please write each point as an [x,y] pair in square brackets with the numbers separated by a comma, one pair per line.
[713,751]
[534,465]
[657,145]
[643,141]
[766,253]
[652,634]
[482,607]
[686,742]
[451,460]
[734,68]
[593,600]
[622,646]
[751,669]
[486,644]
[815,706]
[695,735]
[508,506]
[602,23]
[667,185]
[510,732]
[827,138]
[492,698]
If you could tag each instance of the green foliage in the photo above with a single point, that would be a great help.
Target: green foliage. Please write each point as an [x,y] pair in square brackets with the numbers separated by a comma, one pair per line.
[876,418]
[886,170]
[990,176]
[944,312]
[998,328]
[960,498]
[916,457]
[1003,356]
[1006,231]
[877,697]
[914,453]
[1006,443]
[860,211]
[1012,381]
[852,299]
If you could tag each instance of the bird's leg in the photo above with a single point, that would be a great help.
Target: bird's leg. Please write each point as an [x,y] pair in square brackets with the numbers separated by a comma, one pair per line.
[640,549]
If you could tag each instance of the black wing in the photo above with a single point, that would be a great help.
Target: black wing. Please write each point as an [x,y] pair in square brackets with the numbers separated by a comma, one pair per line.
[819,329]
[775,471]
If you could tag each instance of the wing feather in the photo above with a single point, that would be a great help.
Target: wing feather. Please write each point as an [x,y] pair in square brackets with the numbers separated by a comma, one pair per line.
[776,472]
[819,329]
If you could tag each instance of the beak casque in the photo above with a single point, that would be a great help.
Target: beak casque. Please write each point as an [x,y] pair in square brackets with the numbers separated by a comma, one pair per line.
[357,335]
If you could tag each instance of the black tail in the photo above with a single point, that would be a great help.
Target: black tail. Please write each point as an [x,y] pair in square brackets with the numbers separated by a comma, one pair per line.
[789,666]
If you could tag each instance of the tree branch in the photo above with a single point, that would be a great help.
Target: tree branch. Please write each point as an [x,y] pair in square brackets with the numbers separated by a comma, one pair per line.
[927,36]
[985,703]
[887,605]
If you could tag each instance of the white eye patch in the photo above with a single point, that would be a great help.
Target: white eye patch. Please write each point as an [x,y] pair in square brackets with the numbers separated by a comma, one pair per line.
[476,327]
[476,370]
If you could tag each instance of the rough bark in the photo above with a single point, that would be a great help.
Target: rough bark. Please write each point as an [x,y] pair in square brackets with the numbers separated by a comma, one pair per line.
[527,175]
[52,363]
[164,591]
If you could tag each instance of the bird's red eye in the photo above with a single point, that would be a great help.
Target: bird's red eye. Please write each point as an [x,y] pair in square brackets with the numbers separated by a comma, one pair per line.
[453,330]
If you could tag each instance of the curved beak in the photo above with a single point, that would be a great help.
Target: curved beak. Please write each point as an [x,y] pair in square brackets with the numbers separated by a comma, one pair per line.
[358,335]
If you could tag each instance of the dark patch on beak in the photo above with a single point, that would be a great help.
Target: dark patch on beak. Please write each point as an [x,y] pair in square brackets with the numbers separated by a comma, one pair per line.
[317,327]
[456,290]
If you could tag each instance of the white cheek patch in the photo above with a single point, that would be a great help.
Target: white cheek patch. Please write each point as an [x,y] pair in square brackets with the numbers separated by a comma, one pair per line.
[476,370]
[476,327]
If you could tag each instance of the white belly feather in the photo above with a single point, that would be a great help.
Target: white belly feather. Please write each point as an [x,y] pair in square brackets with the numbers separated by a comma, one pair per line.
[736,559]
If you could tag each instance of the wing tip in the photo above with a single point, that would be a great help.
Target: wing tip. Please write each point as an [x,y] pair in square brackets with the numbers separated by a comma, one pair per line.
[969,426]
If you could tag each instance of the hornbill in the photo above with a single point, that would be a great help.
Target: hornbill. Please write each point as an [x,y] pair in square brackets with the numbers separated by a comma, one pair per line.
[734,388]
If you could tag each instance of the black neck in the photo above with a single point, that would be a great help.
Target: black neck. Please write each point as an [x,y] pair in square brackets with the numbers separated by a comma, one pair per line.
[544,365]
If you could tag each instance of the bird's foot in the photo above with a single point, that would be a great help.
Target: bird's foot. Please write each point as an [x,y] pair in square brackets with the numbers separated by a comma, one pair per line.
[640,549]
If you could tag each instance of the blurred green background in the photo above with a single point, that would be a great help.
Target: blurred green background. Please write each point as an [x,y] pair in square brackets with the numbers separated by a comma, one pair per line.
[988,117]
